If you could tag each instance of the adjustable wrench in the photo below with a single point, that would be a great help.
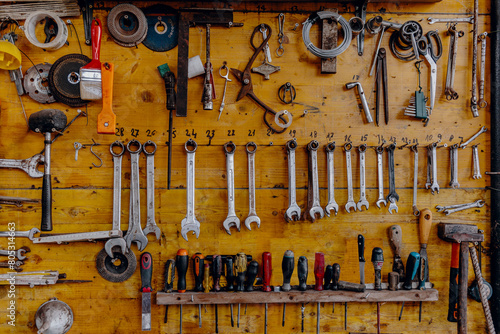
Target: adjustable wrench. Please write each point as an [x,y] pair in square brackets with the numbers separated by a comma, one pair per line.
[18,253]
[362,187]
[332,205]
[464,145]
[151,226]
[454,166]
[21,234]
[189,223]
[313,200]
[293,212]
[393,197]
[416,211]
[231,220]
[380,176]
[477,204]
[434,185]
[29,166]
[350,196]
[475,163]
[482,66]
[135,233]
[252,213]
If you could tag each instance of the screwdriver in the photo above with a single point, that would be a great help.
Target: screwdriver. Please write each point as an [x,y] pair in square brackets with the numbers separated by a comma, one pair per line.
[146,289]
[267,269]
[287,265]
[181,262]
[206,278]
[198,264]
[319,273]
[252,271]
[378,261]
[396,242]
[230,281]
[169,282]
[241,271]
[216,272]
[411,270]
[424,224]
[302,271]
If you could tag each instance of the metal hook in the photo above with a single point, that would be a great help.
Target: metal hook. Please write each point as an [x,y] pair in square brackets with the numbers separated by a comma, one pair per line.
[98,157]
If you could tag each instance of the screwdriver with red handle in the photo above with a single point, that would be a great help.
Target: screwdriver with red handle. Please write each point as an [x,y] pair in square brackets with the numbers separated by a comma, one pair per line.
[198,266]
[181,263]
[267,269]
[319,273]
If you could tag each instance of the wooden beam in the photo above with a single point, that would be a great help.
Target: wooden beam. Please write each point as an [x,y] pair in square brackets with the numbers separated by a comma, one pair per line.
[258,297]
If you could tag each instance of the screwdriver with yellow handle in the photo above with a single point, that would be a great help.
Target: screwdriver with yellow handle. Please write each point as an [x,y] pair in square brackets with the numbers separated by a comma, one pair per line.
[106,120]
[424,225]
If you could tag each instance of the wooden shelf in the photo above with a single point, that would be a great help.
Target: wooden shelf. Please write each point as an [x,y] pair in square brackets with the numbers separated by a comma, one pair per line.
[258,297]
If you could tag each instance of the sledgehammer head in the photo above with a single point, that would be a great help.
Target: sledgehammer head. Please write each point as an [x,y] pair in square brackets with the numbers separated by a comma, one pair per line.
[47,120]
[459,233]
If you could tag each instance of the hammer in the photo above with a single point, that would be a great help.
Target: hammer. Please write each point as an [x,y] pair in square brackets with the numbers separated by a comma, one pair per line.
[47,121]
[462,234]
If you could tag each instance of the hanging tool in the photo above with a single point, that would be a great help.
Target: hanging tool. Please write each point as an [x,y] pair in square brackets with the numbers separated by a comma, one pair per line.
[252,271]
[240,266]
[146,289]
[163,27]
[87,7]
[267,269]
[35,278]
[181,263]
[216,272]
[425,48]
[198,265]
[302,271]
[106,120]
[424,225]
[396,242]
[319,273]
[226,79]
[411,271]
[417,107]
[381,83]
[266,69]
[287,266]
[207,283]
[169,282]
[280,51]
[127,25]
[117,268]
[208,83]
[361,255]
[360,11]
[90,74]
[475,31]
[378,261]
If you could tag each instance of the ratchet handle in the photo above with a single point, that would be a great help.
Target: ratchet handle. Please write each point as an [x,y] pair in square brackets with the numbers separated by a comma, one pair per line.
[46,224]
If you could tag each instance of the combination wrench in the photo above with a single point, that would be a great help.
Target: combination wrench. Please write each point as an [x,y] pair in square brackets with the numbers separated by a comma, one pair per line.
[29,166]
[415,209]
[454,166]
[231,220]
[473,99]
[18,253]
[313,200]
[380,176]
[434,186]
[393,197]
[332,204]
[21,234]
[251,148]
[477,204]
[350,196]
[432,20]
[151,226]
[362,184]
[475,163]
[293,212]
[135,233]
[482,67]
[464,145]
[429,168]
[189,223]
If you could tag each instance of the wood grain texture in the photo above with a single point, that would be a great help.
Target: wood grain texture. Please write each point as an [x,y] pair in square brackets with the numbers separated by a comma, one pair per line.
[82,194]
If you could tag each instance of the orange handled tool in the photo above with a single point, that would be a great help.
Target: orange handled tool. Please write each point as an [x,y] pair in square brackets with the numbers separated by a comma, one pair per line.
[106,120]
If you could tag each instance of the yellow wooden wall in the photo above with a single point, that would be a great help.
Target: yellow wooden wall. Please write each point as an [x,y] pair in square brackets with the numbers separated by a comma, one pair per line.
[82,194]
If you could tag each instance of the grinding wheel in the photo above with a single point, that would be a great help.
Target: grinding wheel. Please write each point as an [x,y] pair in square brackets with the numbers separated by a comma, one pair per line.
[36,82]
[163,28]
[127,25]
[113,272]
[64,79]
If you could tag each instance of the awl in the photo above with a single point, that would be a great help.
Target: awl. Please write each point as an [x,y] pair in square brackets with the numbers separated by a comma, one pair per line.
[146,273]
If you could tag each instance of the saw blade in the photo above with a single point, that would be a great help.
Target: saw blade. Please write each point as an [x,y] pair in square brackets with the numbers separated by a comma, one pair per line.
[119,270]
[163,28]
[127,25]
[64,79]
[36,83]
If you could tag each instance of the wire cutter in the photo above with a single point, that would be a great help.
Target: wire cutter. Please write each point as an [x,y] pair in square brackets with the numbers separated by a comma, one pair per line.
[381,83]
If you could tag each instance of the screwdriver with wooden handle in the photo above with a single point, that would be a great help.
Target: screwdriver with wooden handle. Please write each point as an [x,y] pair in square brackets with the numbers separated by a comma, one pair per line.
[302,271]
[424,224]
[198,266]
[181,263]
[267,269]
[319,273]
[396,242]
[287,266]
[169,282]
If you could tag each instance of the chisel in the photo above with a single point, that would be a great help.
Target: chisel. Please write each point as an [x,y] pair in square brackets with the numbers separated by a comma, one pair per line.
[146,274]
[302,271]
[169,282]
[267,269]
[181,263]
[319,273]
[424,224]
[198,265]
[287,265]
[411,270]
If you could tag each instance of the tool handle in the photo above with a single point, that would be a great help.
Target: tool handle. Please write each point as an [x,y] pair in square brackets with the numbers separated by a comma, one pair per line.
[46,224]
[169,275]
[319,271]
[198,266]
[411,269]
[336,276]
[302,271]
[230,273]
[348,286]
[361,248]
[216,271]
[241,271]
[378,261]
[267,269]
[169,79]
[287,266]
[206,278]
[453,292]
[106,120]
[96,32]
[181,262]
[252,271]
[328,277]
[396,239]
[424,224]
[146,272]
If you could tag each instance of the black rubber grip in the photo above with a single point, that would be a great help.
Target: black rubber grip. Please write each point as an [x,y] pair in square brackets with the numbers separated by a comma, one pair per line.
[252,271]
[328,277]
[287,266]
[302,272]
[181,263]
[216,271]
[361,248]
[336,276]
[46,203]
[198,265]
[146,272]
[230,273]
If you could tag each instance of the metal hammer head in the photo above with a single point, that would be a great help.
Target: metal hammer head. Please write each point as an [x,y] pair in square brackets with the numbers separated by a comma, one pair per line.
[459,233]
[47,120]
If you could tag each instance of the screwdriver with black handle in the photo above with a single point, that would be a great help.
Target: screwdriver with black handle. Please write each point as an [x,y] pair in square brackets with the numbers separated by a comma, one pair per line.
[302,271]
[378,261]
[267,269]
[319,273]
[230,281]
[240,266]
[181,263]
[198,266]
[411,271]
[216,273]
[287,266]
[169,282]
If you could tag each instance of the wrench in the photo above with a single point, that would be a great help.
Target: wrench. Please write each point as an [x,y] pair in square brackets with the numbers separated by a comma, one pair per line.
[18,253]
[21,234]
[332,205]
[442,208]
[473,99]
[477,204]
[314,206]
[266,49]
[350,196]
[393,197]
[29,166]
[483,129]
[454,166]
[432,20]
[362,186]
[293,212]
[449,91]
[15,266]
[482,66]
[231,220]
[434,185]
[135,233]
[475,162]
[252,213]
[414,148]
[151,226]
[380,176]
[189,223]
[429,168]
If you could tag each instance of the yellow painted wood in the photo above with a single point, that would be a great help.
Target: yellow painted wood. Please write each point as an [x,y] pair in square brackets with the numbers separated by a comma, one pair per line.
[82,194]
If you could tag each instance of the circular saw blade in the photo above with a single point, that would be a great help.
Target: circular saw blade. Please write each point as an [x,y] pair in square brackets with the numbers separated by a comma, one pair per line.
[64,79]
[111,270]
[127,25]
[163,28]
[36,83]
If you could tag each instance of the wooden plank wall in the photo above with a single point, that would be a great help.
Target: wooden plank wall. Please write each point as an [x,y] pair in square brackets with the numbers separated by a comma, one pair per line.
[82,194]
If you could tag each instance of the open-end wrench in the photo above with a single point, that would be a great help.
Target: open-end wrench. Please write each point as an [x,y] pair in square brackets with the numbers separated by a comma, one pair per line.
[350,195]
[473,99]
[449,91]
[18,253]
[434,185]
[414,148]
[477,204]
[454,166]
[432,20]
[135,233]
[251,147]
[332,204]
[293,212]
[393,197]
[14,266]
[231,220]
[29,166]
[429,168]
[362,184]
[151,226]
[475,163]
[464,145]
[482,66]
[21,234]
[441,208]
[189,223]
[380,176]
[313,206]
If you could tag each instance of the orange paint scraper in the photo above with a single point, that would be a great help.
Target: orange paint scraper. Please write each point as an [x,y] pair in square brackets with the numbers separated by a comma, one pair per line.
[106,120]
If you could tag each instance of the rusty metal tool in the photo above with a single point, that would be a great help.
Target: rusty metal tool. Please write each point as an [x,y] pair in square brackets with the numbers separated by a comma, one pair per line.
[396,242]
[208,83]
[381,83]
[473,99]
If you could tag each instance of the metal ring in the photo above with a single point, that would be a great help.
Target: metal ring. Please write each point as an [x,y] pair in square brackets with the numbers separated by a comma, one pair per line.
[347,146]
[134,142]
[191,143]
[119,144]
[362,148]
[313,145]
[330,147]
[231,145]
[291,145]
[149,143]
[279,115]
[251,144]
[30,26]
